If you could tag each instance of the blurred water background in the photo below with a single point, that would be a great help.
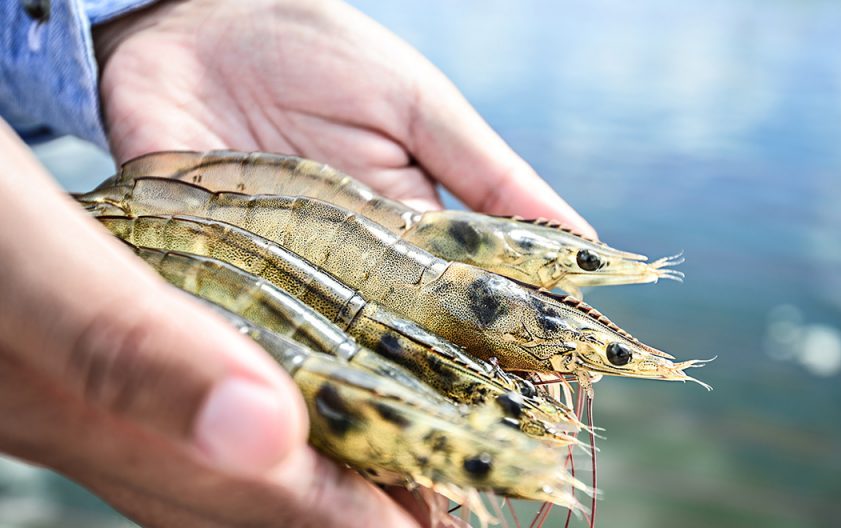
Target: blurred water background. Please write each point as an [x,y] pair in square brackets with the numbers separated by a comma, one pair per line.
[712,127]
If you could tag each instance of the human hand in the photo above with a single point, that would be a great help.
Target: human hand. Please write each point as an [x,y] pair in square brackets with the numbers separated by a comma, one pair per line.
[126,385]
[313,78]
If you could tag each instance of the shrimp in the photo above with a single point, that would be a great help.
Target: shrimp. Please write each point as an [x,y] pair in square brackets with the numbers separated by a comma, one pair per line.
[438,363]
[489,315]
[394,435]
[538,252]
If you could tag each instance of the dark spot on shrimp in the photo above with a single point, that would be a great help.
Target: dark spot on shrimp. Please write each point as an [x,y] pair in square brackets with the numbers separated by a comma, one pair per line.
[440,444]
[511,403]
[476,392]
[390,414]
[479,466]
[334,410]
[547,316]
[484,303]
[464,233]
[437,441]
[439,367]
[389,347]
[526,243]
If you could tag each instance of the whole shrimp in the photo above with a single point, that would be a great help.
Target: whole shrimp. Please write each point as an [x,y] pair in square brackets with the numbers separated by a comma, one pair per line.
[537,252]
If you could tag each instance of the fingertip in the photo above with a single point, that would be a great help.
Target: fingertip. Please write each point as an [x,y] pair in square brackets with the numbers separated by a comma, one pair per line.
[574,221]
[253,416]
[247,427]
[529,196]
[324,492]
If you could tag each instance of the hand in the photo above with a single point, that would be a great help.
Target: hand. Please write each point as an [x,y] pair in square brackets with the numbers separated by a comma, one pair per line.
[128,386]
[313,78]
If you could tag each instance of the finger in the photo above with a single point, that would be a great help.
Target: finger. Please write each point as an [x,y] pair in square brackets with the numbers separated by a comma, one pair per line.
[79,307]
[461,151]
[342,509]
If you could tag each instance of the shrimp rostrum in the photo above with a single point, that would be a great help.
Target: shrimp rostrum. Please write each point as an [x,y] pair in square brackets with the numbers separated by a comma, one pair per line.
[537,252]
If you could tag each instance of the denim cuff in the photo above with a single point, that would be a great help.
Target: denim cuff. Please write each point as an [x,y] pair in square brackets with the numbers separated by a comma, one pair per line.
[49,83]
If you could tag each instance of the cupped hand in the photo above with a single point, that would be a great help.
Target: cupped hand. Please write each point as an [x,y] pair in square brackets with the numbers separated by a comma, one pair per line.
[314,78]
[128,386]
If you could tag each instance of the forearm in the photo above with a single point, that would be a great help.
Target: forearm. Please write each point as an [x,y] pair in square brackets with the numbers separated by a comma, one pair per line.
[48,73]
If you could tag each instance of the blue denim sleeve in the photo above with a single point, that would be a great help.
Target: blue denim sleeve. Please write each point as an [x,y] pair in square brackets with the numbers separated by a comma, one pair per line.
[48,73]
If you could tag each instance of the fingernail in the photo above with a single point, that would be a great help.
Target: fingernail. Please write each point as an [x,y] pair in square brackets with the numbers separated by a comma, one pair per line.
[241,427]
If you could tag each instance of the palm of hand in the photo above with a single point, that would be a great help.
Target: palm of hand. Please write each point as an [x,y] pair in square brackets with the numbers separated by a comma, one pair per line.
[283,86]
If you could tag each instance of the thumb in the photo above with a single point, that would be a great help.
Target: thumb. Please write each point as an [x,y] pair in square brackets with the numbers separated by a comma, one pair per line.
[78,307]
[152,358]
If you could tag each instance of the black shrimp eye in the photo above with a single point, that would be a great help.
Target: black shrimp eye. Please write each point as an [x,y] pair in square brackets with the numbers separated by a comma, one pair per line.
[588,261]
[479,466]
[527,389]
[618,354]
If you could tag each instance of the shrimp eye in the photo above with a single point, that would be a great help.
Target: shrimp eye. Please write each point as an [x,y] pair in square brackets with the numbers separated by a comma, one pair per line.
[618,354]
[588,261]
[479,466]
[527,389]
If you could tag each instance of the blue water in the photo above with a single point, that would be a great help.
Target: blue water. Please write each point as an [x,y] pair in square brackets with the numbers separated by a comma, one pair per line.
[708,127]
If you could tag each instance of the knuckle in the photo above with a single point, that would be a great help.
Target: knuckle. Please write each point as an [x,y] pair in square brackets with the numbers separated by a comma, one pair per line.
[104,361]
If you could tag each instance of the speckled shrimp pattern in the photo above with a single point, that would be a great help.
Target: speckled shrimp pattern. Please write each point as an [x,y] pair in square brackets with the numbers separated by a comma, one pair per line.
[267,306]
